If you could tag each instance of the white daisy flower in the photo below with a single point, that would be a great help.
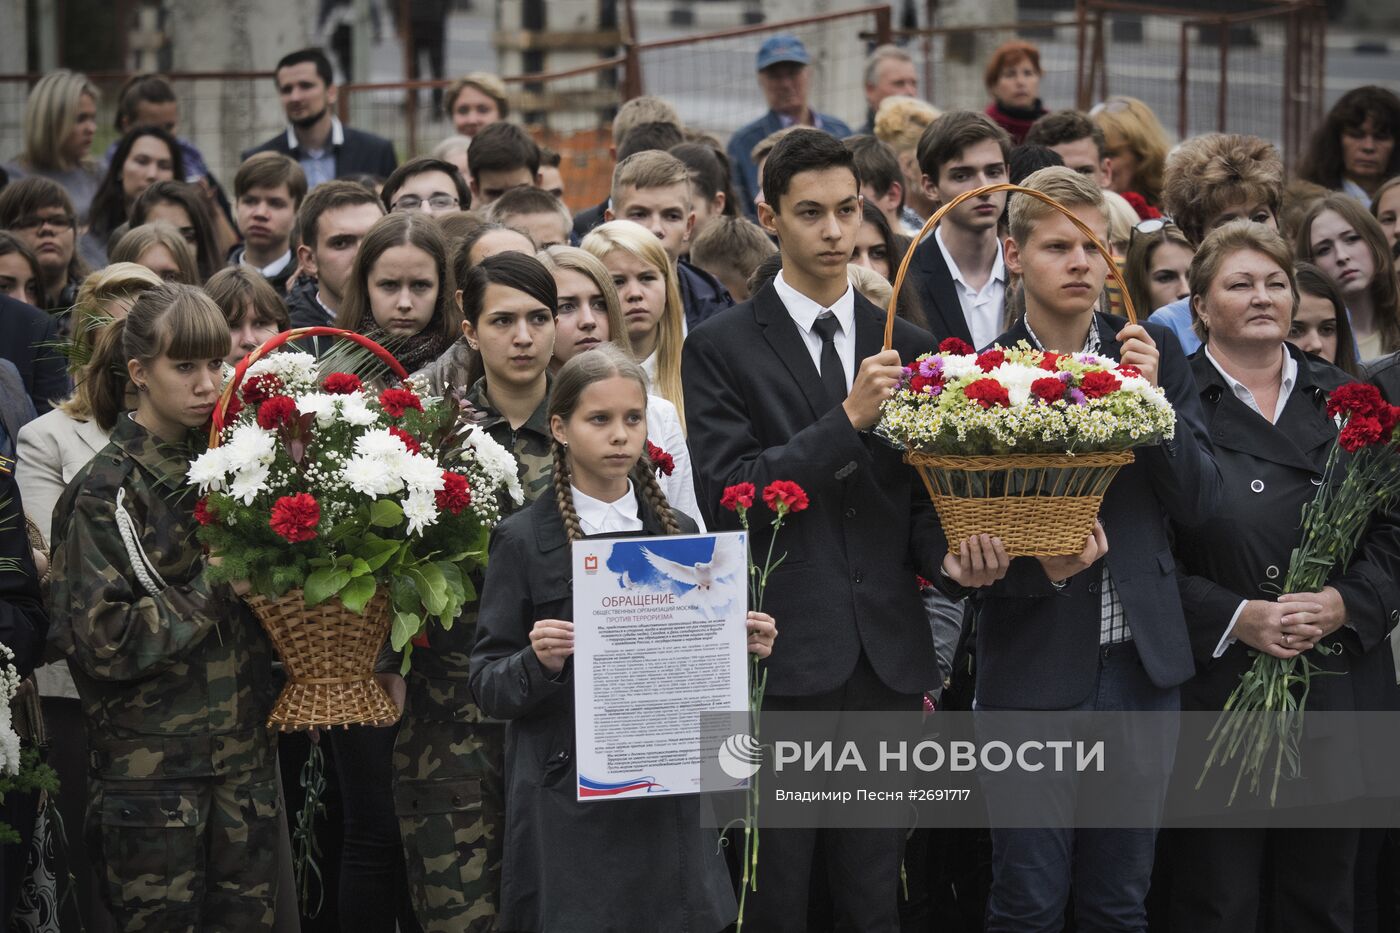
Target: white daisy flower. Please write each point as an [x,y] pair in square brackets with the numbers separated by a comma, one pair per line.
[248,483]
[210,470]
[420,508]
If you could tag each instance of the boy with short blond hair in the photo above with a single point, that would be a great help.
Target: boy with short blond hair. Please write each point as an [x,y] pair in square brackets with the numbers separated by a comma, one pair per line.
[652,188]
[1109,636]
[730,249]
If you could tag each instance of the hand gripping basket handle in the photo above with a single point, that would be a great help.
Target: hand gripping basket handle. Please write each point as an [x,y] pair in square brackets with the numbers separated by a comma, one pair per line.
[992,189]
[221,409]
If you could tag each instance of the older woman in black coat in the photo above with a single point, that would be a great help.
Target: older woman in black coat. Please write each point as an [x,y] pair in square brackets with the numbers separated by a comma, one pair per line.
[1265,404]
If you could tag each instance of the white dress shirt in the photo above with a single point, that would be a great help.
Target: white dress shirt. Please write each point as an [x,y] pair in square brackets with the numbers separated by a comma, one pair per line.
[597,517]
[1288,378]
[804,313]
[983,309]
[272,268]
[318,164]
[664,430]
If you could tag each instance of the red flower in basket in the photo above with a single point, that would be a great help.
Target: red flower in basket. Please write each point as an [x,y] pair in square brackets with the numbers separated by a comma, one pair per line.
[1139,204]
[276,411]
[397,401]
[739,496]
[296,517]
[989,360]
[1099,383]
[1051,361]
[342,383]
[202,513]
[260,388]
[1048,389]
[661,461]
[956,346]
[987,392]
[235,405]
[455,494]
[408,440]
[783,495]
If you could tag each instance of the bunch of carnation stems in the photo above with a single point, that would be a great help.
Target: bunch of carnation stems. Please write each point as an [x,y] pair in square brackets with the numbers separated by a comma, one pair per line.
[1262,721]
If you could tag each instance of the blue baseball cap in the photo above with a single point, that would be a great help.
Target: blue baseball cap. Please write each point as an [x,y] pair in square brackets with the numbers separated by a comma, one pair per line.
[784,47]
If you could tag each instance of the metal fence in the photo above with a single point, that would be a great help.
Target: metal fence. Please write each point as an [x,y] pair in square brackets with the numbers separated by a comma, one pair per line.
[1258,71]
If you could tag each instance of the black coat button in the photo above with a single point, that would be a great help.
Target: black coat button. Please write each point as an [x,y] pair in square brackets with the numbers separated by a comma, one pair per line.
[857,576]
[850,513]
[1093,587]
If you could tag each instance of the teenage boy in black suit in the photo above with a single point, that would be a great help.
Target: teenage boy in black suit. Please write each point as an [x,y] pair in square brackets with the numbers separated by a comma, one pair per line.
[1102,630]
[788,385]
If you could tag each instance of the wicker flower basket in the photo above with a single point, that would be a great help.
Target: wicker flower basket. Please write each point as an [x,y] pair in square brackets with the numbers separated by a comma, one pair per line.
[1040,505]
[328,651]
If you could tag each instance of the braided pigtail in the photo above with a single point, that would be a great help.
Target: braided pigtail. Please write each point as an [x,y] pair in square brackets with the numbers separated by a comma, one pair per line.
[644,478]
[564,493]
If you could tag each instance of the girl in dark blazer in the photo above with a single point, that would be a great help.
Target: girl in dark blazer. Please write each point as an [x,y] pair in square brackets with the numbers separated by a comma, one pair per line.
[626,864]
[1265,405]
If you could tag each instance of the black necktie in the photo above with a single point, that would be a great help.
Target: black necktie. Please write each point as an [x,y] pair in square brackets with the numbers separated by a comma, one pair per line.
[832,370]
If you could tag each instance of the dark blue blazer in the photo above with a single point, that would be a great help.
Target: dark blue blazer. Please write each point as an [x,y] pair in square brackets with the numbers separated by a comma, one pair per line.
[31,343]
[937,294]
[757,412]
[1038,648]
[361,154]
[741,165]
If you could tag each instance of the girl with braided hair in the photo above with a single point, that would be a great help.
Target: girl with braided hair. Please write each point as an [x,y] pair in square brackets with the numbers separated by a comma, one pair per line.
[572,866]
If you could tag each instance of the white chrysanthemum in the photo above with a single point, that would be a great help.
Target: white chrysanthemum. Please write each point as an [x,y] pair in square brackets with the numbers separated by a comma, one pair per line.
[420,474]
[369,476]
[380,445]
[497,463]
[353,410]
[1017,379]
[420,508]
[209,471]
[248,483]
[956,367]
[249,446]
[319,404]
[295,369]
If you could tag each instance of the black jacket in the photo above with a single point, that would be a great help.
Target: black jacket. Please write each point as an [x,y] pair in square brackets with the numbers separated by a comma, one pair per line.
[757,413]
[638,864]
[1384,374]
[361,154]
[701,293]
[1038,648]
[937,293]
[23,622]
[588,218]
[30,341]
[1270,471]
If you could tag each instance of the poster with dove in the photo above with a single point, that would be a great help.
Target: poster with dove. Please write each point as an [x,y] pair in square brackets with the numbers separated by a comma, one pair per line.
[659,638]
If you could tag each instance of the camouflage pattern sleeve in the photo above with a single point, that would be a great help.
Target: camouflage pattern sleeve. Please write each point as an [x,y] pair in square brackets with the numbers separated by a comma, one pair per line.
[113,629]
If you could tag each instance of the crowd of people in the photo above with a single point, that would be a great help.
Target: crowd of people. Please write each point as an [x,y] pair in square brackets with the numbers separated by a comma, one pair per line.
[726,303]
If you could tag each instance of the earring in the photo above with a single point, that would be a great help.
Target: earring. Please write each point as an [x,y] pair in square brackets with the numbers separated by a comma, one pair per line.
[140,387]
[471,345]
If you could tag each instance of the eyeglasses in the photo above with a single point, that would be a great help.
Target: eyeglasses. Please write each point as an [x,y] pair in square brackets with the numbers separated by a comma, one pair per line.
[1148,227]
[35,222]
[438,202]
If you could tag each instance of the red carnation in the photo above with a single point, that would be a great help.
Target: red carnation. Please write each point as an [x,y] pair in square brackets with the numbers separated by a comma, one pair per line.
[261,388]
[1099,383]
[397,401]
[295,517]
[1051,361]
[956,346]
[1048,389]
[919,383]
[1128,369]
[1361,431]
[989,360]
[784,495]
[1388,419]
[660,459]
[409,440]
[455,494]
[1355,398]
[202,514]
[235,405]
[1139,204]
[987,392]
[342,383]
[738,496]
[276,411]
[924,585]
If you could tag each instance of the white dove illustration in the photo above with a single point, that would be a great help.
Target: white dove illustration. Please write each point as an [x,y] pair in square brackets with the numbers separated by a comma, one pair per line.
[702,577]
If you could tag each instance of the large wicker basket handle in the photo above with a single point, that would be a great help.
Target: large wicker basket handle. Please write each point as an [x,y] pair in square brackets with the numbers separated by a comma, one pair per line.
[992,189]
[221,409]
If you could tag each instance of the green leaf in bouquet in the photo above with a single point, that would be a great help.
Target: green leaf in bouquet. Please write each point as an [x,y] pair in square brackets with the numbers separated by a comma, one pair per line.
[322,584]
[406,625]
[403,592]
[431,587]
[376,551]
[385,513]
[456,592]
[359,567]
[358,592]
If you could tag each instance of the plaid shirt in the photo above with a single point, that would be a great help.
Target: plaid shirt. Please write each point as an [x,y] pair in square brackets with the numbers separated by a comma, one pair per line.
[1113,622]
